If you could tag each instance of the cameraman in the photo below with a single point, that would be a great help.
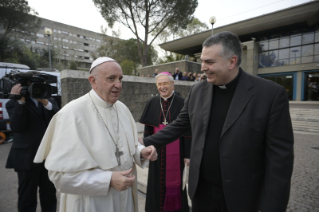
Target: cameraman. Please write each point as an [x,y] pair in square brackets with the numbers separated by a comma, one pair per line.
[29,119]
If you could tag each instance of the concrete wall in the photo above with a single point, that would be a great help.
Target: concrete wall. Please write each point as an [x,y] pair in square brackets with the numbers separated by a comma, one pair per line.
[135,93]
[183,65]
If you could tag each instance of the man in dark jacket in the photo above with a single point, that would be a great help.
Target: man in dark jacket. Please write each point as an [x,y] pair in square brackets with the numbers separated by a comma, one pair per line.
[177,75]
[242,151]
[29,119]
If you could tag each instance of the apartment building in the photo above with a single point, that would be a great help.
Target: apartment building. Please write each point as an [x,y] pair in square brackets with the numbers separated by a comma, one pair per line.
[70,43]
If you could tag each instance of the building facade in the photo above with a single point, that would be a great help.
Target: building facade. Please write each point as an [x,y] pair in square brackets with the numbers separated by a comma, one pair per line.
[69,43]
[282,46]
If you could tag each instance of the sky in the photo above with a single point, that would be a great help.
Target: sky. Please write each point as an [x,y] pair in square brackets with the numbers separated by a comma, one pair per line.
[83,13]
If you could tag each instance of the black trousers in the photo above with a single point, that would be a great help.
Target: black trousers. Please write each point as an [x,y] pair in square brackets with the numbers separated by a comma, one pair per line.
[29,181]
[208,198]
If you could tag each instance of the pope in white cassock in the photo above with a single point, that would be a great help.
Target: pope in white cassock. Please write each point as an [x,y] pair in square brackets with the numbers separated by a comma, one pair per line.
[91,147]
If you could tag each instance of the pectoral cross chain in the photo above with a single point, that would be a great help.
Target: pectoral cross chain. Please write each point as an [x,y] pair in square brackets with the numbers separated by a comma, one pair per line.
[118,153]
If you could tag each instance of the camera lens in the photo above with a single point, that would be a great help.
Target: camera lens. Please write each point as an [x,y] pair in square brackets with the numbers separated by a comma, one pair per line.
[38,91]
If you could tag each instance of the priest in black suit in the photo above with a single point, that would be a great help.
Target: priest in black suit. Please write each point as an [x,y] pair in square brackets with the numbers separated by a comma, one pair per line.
[242,152]
[164,186]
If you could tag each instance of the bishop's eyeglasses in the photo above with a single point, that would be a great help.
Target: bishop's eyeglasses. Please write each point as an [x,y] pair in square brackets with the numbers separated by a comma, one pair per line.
[162,84]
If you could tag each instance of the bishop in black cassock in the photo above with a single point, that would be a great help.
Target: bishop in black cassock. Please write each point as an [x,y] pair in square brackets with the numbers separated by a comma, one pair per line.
[160,111]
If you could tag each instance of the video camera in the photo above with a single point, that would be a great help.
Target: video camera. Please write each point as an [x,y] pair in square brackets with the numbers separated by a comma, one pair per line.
[34,84]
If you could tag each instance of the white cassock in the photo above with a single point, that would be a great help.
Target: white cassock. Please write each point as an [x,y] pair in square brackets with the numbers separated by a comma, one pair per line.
[80,155]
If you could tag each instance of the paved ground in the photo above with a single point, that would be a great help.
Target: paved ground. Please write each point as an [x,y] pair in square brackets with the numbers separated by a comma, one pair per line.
[304,191]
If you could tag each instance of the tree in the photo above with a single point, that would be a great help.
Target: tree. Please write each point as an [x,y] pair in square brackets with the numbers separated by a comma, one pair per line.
[127,67]
[171,58]
[172,31]
[195,26]
[18,20]
[147,16]
[73,65]
[122,50]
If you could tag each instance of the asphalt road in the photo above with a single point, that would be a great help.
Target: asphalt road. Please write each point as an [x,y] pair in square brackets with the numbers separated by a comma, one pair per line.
[304,195]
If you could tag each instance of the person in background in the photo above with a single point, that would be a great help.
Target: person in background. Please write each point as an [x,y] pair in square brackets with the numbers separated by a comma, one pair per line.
[164,185]
[155,73]
[29,118]
[177,75]
[184,77]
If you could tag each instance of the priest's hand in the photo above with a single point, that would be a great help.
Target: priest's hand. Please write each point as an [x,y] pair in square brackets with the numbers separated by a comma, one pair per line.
[187,161]
[149,153]
[122,180]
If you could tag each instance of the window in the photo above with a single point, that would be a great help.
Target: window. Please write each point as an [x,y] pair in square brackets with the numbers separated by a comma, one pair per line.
[286,80]
[39,42]
[308,38]
[289,50]
[310,86]
[86,44]
[317,36]
[295,40]
[284,42]
[65,40]
[40,35]
[64,32]
[273,44]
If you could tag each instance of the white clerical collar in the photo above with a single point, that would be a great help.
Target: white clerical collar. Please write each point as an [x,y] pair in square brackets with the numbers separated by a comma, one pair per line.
[166,98]
[105,103]
[222,87]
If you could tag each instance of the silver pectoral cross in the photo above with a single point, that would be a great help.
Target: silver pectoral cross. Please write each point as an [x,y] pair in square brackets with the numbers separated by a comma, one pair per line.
[118,153]
[165,122]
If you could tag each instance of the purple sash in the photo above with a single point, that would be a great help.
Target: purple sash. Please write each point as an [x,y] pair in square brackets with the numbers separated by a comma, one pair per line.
[173,175]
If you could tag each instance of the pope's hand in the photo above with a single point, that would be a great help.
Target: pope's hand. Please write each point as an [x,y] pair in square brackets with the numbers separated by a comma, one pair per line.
[149,153]
[141,141]
[122,180]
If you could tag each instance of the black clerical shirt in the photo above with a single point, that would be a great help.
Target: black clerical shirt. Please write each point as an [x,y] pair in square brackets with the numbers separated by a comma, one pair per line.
[210,165]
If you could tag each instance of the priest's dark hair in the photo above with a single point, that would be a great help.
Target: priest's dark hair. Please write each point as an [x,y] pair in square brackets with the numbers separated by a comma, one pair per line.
[230,43]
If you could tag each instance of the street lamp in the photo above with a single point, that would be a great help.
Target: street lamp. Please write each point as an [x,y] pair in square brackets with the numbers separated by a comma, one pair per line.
[48,32]
[212,20]
[295,51]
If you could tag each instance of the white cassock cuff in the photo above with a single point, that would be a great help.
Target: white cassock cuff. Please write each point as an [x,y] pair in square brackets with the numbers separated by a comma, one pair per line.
[142,163]
[95,182]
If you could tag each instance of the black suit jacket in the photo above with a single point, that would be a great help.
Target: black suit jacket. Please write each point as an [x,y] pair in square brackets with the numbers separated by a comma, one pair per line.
[28,124]
[180,75]
[256,145]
